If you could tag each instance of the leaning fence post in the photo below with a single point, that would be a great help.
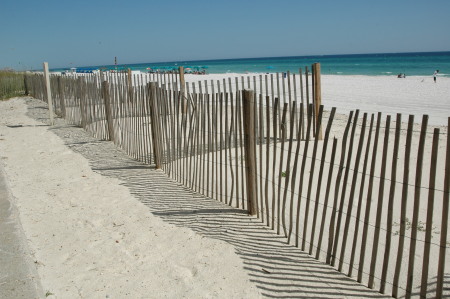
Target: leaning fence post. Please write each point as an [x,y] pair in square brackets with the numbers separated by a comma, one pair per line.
[107,101]
[156,132]
[317,95]
[49,92]
[250,150]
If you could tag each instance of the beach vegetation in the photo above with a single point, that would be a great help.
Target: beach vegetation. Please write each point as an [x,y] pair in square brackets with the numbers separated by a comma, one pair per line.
[11,84]
[421,227]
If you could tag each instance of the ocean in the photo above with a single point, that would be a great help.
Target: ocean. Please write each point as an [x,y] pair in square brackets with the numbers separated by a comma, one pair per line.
[410,64]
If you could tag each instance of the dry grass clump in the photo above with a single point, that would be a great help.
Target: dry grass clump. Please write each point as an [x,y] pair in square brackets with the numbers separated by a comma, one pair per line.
[11,84]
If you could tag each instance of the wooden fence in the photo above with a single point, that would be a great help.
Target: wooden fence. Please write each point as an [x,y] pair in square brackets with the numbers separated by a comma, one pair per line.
[369,195]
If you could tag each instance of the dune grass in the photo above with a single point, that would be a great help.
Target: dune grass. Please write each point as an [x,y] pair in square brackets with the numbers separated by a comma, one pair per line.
[11,84]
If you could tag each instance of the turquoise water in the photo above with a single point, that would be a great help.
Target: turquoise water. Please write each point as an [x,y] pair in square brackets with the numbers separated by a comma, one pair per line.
[411,64]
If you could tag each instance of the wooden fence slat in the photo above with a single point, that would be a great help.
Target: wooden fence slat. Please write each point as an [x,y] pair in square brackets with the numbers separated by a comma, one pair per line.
[208,157]
[344,187]
[263,206]
[391,204]
[226,143]
[281,171]
[290,96]
[360,198]
[352,192]
[221,163]
[241,146]
[297,123]
[307,89]
[164,103]
[332,224]
[379,206]
[300,187]
[293,183]
[201,141]
[325,203]
[302,107]
[430,210]
[368,200]
[444,221]
[192,136]
[188,129]
[287,173]
[320,177]
[204,148]
[266,186]
[404,199]
[236,146]
[311,174]
[275,158]
[415,219]
[232,133]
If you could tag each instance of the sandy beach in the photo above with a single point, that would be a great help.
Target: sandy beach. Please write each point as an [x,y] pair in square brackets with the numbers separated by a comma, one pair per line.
[100,225]
[89,236]
[416,95]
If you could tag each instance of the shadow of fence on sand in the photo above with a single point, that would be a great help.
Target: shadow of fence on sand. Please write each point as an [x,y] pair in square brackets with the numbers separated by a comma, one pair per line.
[431,288]
[277,269]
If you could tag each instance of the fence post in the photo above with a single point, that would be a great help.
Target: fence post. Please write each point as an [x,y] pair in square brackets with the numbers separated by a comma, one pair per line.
[25,84]
[61,98]
[317,96]
[182,90]
[49,92]
[107,102]
[82,99]
[250,150]
[156,132]
[130,85]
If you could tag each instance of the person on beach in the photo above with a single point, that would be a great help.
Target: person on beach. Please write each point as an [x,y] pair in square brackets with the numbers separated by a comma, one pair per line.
[435,75]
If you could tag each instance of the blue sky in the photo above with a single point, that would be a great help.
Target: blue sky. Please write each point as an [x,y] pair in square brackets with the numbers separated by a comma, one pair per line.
[79,33]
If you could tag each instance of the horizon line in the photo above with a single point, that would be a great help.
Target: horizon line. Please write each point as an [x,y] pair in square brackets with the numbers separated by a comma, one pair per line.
[256,58]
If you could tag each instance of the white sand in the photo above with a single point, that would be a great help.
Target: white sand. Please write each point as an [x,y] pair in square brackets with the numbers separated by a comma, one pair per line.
[92,239]
[416,95]
[390,95]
